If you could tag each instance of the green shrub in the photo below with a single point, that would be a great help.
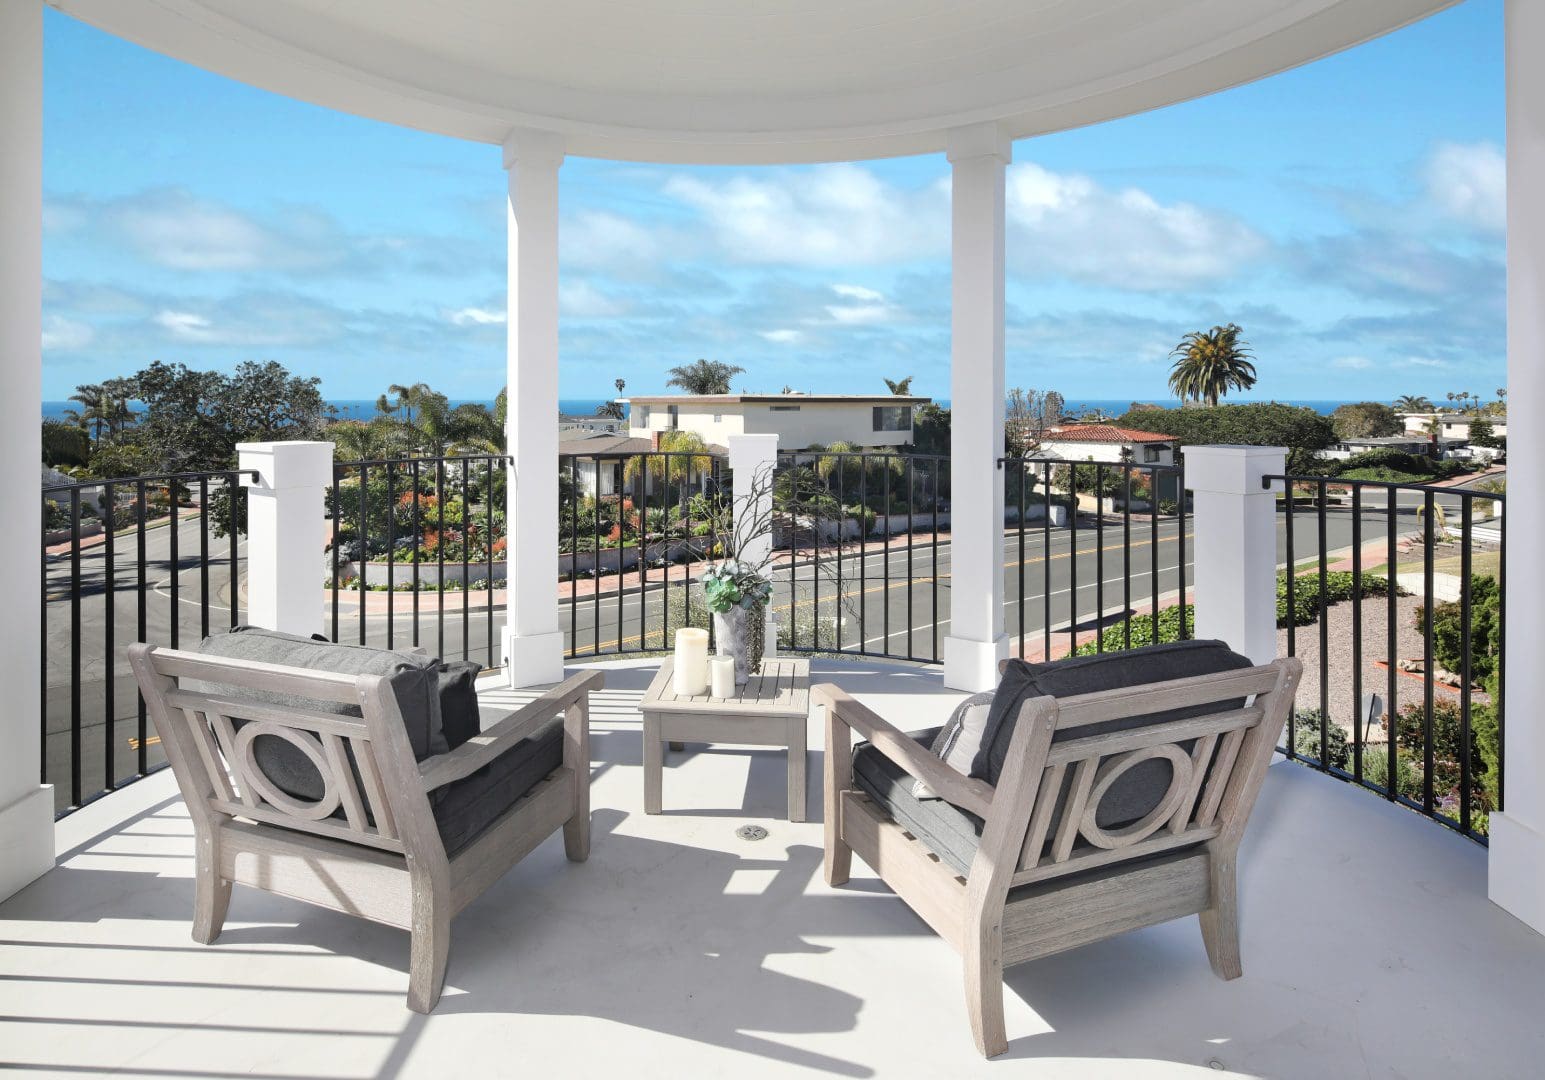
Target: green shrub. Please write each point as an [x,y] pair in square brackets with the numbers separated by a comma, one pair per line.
[1114,637]
[1448,636]
[1306,593]
[1376,772]
[1448,749]
[1306,740]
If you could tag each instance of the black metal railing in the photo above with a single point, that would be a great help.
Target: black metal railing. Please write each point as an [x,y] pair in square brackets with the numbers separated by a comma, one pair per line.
[1404,695]
[860,568]
[632,530]
[417,549]
[115,556]
[1078,577]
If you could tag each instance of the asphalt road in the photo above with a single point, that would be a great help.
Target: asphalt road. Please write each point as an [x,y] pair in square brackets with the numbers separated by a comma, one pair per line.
[894,602]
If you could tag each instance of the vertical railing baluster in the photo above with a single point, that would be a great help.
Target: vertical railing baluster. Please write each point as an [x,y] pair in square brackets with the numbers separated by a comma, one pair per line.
[1046,480]
[141,587]
[237,492]
[885,549]
[176,564]
[1292,609]
[1180,565]
[1391,640]
[863,544]
[488,496]
[203,556]
[1428,503]
[1357,630]
[1466,747]
[75,702]
[1153,549]
[1020,465]
[391,553]
[43,777]
[1126,558]
[1099,559]
[337,513]
[362,545]
[1324,568]
[418,540]
[466,558]
[440,557]
[109,644]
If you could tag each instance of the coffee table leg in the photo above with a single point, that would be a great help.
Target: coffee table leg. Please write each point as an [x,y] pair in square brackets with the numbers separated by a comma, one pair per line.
[654,763]
[797,769]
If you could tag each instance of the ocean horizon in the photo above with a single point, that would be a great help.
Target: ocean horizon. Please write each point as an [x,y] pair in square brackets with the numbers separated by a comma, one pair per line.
[364,408]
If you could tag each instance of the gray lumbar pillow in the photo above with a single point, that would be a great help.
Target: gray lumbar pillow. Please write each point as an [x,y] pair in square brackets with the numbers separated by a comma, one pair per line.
[960,739]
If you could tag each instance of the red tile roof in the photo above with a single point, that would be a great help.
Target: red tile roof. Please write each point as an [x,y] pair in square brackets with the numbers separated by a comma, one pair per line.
[1102,433]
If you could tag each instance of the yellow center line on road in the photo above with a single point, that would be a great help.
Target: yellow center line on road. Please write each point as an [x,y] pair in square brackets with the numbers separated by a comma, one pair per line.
[885,587]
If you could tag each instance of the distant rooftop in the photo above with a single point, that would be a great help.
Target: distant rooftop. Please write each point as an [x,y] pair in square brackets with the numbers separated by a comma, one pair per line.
[1101,433]
[776,399]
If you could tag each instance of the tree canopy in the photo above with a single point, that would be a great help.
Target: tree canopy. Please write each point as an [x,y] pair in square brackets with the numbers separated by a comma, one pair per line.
[1365,419]
[1409,403]
[1210,363]
[1303,431]
[899,387]
[704,377]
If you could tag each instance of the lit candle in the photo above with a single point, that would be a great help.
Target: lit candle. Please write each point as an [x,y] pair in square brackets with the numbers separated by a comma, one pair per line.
[721,677]
[691,674]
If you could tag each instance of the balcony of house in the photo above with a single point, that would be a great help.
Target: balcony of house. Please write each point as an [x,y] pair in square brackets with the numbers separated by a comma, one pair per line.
[679,948]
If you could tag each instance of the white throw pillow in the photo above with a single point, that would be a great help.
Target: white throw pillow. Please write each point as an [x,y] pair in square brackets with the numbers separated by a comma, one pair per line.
[960,739]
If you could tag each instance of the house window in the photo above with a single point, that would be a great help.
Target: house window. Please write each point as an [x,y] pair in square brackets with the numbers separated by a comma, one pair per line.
[673,417]
[1150,454]
[783,408]
[892,417]
[641,416]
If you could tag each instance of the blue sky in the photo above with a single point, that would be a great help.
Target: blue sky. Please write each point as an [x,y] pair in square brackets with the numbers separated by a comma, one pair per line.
[1347,214]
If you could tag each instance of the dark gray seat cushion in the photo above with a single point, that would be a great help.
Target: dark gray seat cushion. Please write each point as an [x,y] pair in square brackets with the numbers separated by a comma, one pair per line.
[953,834]
[464,808]
[459,719]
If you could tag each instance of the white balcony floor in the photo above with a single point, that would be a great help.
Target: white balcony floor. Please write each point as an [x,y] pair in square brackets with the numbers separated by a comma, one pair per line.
[678,950]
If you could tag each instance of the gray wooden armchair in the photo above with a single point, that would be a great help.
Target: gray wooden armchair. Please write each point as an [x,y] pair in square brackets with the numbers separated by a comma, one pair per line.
[1031,864]
[378,842]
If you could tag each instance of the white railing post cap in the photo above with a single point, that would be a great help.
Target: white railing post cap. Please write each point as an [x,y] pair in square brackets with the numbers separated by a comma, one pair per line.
[1233,470]
[289,464]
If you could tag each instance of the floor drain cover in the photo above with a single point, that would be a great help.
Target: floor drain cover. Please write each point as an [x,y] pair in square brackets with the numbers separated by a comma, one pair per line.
[751,832]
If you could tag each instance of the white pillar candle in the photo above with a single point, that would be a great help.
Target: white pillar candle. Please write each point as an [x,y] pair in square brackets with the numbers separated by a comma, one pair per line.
[691,674]
[721,677]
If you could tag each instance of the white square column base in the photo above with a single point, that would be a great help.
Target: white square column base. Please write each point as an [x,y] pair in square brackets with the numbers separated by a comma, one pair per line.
[973,665]
[532,660]
[1515,870]
[26,840]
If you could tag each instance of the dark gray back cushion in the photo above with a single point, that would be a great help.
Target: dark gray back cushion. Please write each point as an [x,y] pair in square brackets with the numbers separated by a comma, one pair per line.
[459,716]
[1141,788]
[414,680]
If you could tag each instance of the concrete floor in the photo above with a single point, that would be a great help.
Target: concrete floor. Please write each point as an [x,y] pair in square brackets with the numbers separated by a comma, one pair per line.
[679,950]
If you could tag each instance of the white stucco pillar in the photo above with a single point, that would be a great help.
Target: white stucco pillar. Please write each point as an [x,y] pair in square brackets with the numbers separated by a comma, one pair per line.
[753,460]
[1235,547]
[26,807]
[533,643]
[286,527]
[978,156]
[1516,856]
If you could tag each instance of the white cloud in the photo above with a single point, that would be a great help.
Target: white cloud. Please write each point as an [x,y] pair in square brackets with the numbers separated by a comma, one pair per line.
[867,308]
[582,300]
[781,337]
[1069,225]
[476,316]
[1352,363]
[857,292]
[1468,182]
[1422,362]
[831,215]
[598,240]
[64,334]
[185,325]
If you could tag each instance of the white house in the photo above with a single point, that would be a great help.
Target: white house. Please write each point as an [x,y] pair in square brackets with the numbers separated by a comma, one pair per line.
[597,463]
[571,426]
[1106,443]
[1454,426]
[799,420]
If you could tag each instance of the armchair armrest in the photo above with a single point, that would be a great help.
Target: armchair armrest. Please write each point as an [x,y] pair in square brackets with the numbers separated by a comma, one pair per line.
[482,748]
[965,792]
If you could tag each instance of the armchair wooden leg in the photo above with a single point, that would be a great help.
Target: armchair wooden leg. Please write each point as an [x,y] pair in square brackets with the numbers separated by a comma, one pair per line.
[428,954]
[837,776]
[211,895]
[576,755]
[983,957]
[1220,919]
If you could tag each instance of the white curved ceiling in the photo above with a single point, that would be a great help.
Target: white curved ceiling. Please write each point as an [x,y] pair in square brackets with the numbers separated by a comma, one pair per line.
[745,80]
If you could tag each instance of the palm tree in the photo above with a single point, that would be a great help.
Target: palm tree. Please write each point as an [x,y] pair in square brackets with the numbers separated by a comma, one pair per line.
[1413,403]
[1208,364]
[410,399]
[900,387]
[93,410]
[704,377]
[658,467]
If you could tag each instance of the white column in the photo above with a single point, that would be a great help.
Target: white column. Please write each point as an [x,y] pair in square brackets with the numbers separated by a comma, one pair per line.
[533,643]
[753,457]
[286,527]
[978,156]
[1516,856]
[26,807]
[1235,548]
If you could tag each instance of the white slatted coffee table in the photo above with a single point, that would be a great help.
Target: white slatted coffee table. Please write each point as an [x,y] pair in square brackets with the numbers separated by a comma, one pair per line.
[770,710]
